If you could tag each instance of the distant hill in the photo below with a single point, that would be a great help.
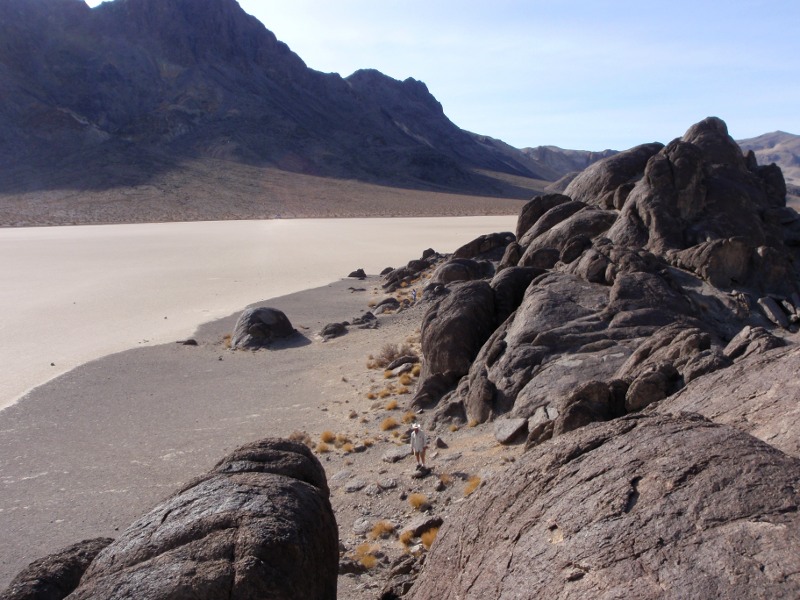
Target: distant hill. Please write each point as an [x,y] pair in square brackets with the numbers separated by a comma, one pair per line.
[96,99]
[780,148]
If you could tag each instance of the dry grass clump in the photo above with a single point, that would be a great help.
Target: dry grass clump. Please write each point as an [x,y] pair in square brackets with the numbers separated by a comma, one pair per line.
[428,537]
[472,485]
[388,423]
[418,501]
[406,537]
[384,392]
[371,395]
[472,423]
[402,390]
[226,341]
[388,374]
[409,418]
[341,439]
[390,352]
[445,478]
[302,437]
[364,554]
[454,427]
[347,448]
[416,369]
[322,448]
[391,405]
[381,529]
[327,436]
[368,442]
[405,379]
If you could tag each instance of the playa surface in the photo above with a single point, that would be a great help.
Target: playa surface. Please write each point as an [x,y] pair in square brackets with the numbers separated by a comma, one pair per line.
[74,294]
[86,453]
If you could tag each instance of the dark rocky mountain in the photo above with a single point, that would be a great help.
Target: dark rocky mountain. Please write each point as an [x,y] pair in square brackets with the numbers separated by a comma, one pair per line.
[113,95]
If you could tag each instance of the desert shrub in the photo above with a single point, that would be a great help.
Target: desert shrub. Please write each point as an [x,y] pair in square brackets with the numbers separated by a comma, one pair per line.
[416,369]
[472,485]
[454,427]
[388,374]
[409,418]
[391,404]
[406,537]
[446,479]
[381,529]
[327,436]
[388,423]
[384,392]
[405,379]
[427,537]
[418,501]
[371,395]
[347,448]
[340,440]
[472,423]
[368,561]
[322,448]
[402,390]
[389,352]
[302,437]
[226,341]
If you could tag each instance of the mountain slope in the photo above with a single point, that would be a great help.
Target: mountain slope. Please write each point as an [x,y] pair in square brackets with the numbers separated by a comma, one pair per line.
[780,148]
[151,84]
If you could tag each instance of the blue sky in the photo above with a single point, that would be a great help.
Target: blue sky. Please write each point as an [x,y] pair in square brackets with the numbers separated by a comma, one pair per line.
[584,74]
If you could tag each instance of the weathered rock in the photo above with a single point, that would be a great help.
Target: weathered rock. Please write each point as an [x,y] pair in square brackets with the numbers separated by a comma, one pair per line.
[461,269]
[759,394]
[639,507]
[578,229]
[258,327]
[54,577]
[507,431]
[419,525]
[534,209]
[358,274]
[254,526]
[598,184]
[751,340]
[332,330]
[408,359]
[509,287]
[550,219]
[395,454]
[486,246]
[773,312]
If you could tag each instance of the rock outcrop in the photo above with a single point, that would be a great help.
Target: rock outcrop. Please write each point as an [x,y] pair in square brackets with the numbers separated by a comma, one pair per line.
[258,327]
[255,526]
[635,283]
[646,506]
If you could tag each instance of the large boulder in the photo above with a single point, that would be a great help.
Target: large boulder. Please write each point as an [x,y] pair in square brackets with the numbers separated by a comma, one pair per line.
[489,246]
[54,577]
[646,506]
[258,327]
[255,526]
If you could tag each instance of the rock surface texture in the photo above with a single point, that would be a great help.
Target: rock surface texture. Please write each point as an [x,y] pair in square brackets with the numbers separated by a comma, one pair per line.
[256,526]
[646,506]
[258,327]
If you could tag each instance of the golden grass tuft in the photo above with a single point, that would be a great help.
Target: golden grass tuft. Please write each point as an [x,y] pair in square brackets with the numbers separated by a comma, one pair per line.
[381,529]
[391,405]
[327,436]
[454,427]
[368,561]
[406,537]
[226,341]
[390,352]
[371,395]
[388,423]
[405,379]
[340,440]
[368,442]
[347,448]
[402,390]
[445,478]
[472,485]
[416,369]
[472,423]
[418,501]
[322,448]
[409,418]
[302,437]
[428,537]
[388,374]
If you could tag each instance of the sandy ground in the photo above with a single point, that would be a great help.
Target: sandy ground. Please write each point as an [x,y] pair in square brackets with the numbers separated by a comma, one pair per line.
[86,453]
[74,294]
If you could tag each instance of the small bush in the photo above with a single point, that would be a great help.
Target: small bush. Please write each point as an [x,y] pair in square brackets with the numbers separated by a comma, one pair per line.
[371,395]
[388,374]
[302,437]
[402,390]
[340,440]
[384,392]
[381,529]
[327,436]
[388,423]
[472,423]
[389,352]
[416,369]
[347,448]
[446,479]
[454,427]
[368,561]
[405,379]
[322,448]
[418,501]
[226,341]
[406,537]
[391,405]
[409,418]
[428,537]
[368,442]
[472,485]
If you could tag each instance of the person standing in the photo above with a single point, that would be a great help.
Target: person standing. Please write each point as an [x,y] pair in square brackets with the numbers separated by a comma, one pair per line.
[419,444]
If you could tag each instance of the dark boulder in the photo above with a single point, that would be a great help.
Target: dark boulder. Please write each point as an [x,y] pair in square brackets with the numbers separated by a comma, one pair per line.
[358,274]
[255,526]
[640,507]
[332,330]
[258,327]
[461,269]
[54,577]
[534,209]
[488,247]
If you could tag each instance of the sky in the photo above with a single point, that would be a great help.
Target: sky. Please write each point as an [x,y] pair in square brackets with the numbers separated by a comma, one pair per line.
[581,74]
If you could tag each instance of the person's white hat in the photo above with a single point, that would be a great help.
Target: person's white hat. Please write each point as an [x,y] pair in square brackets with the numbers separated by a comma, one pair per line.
[415,426]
